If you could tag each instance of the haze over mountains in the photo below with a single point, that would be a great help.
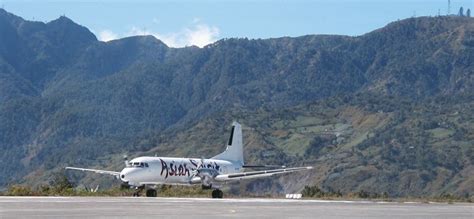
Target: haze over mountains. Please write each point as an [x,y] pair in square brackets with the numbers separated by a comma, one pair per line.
[389,111]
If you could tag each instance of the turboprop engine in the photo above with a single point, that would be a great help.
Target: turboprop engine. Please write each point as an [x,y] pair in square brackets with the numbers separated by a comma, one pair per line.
[207,175]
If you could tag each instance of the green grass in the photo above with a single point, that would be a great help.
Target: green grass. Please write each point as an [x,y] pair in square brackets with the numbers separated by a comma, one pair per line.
[441,133]
[302,121]
[355,140]
[317,129]
[296,144]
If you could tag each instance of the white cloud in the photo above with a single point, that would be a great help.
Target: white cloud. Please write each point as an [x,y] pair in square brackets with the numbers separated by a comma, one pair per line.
[198,35]
[107,35]
[135,31]
[201,35]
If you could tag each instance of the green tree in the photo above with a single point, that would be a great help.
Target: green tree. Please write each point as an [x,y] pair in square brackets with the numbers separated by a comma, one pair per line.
[60,183]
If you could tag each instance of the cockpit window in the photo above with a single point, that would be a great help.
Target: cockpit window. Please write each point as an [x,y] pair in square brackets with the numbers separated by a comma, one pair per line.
[139,164]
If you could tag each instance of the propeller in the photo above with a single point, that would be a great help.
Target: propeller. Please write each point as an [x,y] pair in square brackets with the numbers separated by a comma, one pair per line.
[207,175]
[201,163]
[199,166]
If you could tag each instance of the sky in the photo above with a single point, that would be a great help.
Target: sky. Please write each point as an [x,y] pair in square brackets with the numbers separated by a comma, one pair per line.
[182,23]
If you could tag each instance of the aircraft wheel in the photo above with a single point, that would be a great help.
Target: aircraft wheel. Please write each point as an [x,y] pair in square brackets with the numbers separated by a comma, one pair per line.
[151,193]
[217,193]
[214,193]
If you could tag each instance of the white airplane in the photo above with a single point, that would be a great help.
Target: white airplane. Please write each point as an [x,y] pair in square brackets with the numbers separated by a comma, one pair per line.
[211,173]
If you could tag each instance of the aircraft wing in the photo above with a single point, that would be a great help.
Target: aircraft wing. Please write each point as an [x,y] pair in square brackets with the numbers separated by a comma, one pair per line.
[257,174]
[113,173]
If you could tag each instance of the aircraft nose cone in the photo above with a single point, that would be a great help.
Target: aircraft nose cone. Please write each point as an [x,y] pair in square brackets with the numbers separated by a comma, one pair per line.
[125,175]
[130,176]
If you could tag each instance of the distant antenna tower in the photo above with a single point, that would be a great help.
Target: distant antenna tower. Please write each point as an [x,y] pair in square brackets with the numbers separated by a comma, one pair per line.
[449,7]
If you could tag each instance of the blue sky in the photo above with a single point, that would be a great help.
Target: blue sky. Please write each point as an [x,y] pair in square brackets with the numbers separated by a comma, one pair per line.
[185,22]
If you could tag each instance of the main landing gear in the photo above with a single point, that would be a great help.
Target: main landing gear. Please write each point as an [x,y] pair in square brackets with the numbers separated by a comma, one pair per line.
[217,193]
[151,193]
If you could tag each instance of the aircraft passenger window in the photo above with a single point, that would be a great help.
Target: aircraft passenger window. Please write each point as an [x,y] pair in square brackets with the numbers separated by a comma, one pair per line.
[142,165]
[146,164]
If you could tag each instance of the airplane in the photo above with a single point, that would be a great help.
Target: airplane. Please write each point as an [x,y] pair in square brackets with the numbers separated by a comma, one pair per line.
[211,173]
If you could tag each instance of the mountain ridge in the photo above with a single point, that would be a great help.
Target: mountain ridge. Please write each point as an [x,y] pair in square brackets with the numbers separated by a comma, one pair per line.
[65,93]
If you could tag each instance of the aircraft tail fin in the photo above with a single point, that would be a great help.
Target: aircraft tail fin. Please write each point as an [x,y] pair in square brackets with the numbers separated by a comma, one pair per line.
[234,151]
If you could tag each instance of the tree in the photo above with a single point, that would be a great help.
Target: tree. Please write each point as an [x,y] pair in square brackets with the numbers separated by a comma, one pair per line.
[60,182]
[461,12]
[468,12]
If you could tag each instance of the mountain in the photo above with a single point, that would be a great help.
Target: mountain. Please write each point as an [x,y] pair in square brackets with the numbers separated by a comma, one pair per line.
[388,111]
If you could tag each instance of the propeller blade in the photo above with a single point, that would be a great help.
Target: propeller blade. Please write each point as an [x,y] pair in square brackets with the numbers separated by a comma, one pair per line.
[199,166]
[202,163]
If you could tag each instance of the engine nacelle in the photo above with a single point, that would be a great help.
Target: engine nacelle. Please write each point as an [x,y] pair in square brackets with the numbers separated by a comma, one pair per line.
[207,177]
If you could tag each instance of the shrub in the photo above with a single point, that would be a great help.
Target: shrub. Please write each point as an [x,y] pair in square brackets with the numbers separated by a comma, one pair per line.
[17,190]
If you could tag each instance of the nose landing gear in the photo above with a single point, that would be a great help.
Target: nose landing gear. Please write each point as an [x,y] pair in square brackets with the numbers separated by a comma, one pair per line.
[138,190]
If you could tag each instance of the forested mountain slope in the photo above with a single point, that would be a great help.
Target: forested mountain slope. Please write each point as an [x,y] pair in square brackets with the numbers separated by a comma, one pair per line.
[66,98]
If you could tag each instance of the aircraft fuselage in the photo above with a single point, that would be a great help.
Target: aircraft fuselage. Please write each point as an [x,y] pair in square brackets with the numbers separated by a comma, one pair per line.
[171,170]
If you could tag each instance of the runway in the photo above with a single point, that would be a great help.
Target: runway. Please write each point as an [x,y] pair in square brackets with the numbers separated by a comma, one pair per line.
[142,207]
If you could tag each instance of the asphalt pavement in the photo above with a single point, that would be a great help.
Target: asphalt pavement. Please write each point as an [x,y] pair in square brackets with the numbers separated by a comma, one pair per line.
[142,207]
